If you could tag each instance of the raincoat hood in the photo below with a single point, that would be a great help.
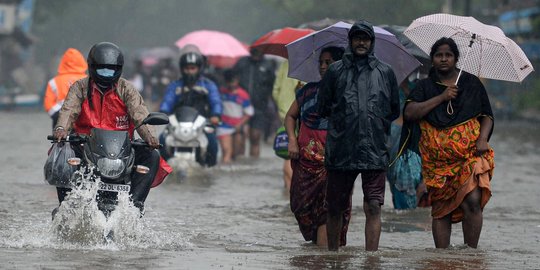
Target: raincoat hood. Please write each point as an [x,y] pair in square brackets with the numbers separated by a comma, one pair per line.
[360,98]
[72,62]
[366,27]
[349,57]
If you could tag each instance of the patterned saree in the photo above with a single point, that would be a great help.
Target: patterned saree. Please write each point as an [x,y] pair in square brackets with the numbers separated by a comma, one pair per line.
[451,170]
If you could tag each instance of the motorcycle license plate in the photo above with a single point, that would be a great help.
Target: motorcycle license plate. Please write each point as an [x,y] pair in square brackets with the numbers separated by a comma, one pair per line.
[114,187]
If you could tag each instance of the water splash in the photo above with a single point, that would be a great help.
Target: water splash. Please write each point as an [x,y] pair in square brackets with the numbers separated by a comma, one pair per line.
[78,219]
[79,222]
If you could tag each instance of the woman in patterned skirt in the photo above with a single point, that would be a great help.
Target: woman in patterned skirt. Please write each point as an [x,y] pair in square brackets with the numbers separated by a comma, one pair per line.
[306,150]
[456,122]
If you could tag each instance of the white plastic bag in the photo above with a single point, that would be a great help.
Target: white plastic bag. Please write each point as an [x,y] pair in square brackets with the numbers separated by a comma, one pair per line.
[57,171]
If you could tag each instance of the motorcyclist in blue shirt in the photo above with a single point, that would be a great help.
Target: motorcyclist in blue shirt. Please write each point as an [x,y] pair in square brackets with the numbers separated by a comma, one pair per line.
[195,90]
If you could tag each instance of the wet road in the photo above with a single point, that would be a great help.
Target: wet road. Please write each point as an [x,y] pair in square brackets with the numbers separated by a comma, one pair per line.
[238,217]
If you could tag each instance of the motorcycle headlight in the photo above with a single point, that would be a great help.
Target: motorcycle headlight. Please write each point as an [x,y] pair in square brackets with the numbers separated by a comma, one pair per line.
[185,132]
[110,168]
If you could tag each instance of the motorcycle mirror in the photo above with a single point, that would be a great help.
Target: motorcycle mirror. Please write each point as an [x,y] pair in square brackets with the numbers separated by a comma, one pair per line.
[155,119]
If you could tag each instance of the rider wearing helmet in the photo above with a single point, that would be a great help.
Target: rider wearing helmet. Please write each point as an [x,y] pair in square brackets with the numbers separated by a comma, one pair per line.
[107,101]
[195,90]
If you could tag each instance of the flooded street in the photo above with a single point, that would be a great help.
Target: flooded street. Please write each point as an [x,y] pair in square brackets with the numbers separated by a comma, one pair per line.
[238,217]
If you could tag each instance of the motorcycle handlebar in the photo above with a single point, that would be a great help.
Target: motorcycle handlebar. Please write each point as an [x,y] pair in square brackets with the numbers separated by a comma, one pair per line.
[71,138]
[142,143]
[80,139]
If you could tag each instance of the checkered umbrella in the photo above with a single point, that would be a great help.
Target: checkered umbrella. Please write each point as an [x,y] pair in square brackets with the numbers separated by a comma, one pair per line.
[488,52]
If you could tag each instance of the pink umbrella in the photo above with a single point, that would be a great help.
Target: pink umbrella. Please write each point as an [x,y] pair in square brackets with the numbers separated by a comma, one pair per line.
[214,43]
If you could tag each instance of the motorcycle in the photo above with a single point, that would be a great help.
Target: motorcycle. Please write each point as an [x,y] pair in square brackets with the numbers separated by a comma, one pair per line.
[185,138]
[108,157]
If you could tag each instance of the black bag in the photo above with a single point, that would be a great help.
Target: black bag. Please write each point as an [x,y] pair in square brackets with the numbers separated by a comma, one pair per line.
[57,171]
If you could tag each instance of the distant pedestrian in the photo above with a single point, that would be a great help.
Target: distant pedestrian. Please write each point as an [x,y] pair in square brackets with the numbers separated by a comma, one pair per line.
[162,75]
[237,110]
[72,67]
[404,173]
[360,97]
[257,77]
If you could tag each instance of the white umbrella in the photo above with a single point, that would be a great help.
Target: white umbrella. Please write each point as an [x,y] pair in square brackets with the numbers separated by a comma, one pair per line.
[488,52]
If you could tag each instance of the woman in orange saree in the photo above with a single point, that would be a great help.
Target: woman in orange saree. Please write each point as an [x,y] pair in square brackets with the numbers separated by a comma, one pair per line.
[457,162]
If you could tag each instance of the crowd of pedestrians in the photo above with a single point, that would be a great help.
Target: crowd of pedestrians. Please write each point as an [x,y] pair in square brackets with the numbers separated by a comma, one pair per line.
[339,128]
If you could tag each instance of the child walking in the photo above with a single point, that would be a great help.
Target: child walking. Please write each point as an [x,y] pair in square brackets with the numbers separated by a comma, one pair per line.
[237,110]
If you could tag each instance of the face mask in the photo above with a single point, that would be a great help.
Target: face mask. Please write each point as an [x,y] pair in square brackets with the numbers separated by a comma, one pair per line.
[105,72]
[189,79]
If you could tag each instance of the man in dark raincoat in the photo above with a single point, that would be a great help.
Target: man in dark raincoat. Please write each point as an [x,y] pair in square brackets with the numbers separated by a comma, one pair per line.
[360,97]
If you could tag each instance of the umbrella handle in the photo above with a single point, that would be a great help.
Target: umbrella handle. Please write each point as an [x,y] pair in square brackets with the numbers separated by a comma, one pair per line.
[466,55]
[449,108]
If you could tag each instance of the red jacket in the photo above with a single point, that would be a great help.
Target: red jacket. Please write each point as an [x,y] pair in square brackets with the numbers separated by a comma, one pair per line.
[108,112]
[118,109]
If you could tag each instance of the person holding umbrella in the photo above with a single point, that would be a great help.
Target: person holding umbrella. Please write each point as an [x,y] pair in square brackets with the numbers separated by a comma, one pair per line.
[360,97]
[457,162]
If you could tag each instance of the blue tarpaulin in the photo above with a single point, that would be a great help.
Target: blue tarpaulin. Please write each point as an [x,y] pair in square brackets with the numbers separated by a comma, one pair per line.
[517,21]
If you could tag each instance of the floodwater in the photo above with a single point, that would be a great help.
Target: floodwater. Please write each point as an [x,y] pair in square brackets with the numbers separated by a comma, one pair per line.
[238,217]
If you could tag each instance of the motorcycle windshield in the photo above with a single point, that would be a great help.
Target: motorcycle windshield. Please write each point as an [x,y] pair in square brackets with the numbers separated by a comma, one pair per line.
[109,143]
[186,114]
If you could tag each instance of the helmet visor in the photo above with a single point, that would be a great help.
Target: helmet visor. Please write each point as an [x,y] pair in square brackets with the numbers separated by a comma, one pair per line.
[105,72]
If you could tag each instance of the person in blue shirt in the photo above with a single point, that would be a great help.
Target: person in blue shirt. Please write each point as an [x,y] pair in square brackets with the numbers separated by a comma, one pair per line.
[199,92]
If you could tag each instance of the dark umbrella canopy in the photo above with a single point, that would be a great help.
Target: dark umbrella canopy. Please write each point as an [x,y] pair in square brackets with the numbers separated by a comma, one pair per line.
[304,52]
[397,30]
[414,50]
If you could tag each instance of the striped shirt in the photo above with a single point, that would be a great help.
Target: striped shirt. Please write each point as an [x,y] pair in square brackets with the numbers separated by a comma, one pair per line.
[235,106]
